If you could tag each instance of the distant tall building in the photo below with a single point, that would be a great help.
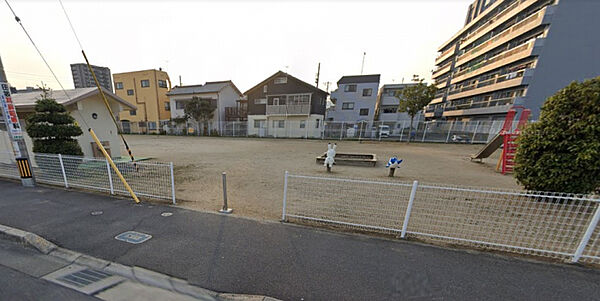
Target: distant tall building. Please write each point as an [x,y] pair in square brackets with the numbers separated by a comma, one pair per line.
[82,78]
[514,52]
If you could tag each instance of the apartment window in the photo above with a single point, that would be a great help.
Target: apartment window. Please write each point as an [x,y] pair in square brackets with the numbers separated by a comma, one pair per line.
[302,124]
[389,109]
[367,92]
[167,106]
[260,101]
[350,88]
[364,112]
[257,124]
[132,112]
[162,83]
[317,124]
[152,125]
[180,105]
[279,124]
[145,83]
[119,86]
[280,80]
[129,91]
[142,124]
[276,101]
[348,106]
[391,92]
[265,89]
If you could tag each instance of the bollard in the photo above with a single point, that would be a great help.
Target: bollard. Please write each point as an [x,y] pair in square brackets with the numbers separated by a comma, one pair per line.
[225,208]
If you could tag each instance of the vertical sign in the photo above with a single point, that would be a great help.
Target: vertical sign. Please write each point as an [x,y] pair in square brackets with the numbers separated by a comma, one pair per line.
[10,117]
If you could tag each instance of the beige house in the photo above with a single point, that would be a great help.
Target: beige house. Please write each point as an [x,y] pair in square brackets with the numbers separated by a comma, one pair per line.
[88,109]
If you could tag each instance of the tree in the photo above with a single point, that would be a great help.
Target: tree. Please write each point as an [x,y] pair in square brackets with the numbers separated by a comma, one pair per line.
[52,128]
[201,110]
[414,98]
[561,151]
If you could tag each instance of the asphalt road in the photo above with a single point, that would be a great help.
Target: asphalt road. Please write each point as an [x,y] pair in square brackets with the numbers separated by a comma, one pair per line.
[229,254]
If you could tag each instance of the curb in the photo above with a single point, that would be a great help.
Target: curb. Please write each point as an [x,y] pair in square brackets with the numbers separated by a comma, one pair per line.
[133,273]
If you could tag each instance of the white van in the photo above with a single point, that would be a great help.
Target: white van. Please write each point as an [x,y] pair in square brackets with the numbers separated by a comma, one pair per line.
[384,131]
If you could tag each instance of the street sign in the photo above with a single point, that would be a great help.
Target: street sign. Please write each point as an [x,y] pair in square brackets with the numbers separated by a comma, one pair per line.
[10,113]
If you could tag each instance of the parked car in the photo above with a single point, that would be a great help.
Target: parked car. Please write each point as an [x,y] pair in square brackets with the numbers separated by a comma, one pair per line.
[384,131]
[459,138]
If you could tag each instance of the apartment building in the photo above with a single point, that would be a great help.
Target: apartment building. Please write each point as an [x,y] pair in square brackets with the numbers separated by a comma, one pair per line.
[82,77]
[147,90]
[355,99]
[386,109]
[284,106]
[514,52]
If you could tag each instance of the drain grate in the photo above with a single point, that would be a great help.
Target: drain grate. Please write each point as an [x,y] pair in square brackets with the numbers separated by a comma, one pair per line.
[83,277]
[133,237]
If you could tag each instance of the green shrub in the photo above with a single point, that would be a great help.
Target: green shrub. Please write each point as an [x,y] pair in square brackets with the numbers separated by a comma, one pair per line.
[561,151]
[52,129]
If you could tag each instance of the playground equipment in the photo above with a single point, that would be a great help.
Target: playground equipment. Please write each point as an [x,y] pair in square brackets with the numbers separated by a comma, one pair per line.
[507,137]
[330,159]
[392,164]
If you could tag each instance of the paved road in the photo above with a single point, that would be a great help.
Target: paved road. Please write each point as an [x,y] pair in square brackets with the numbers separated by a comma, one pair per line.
[20,269]
[229,254]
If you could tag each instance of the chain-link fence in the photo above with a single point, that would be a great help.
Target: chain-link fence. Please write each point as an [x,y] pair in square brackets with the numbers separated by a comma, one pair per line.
[557,225]
[147,179]
[421,131]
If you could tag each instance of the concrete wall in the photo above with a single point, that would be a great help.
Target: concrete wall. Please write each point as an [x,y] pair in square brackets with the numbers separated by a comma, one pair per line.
[313,126]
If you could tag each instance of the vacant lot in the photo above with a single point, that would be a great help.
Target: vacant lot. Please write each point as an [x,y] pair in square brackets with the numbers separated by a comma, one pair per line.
[255,167]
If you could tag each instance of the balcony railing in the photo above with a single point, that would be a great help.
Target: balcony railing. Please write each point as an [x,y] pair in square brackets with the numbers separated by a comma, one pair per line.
[488,82]
[442,69]
[479,104]
[288,109]
[537,16]
[445,52]
[235,112]
[494,19]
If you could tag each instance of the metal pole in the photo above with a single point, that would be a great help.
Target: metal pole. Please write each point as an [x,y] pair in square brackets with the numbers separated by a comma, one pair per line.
[225,208]
[411,200]
[112,190]
[424,131]
[62,168]
[588,234]
[402,130]
[285,186]
[342,130]
[475,132]
[13,126]
[172,182]
[449,130]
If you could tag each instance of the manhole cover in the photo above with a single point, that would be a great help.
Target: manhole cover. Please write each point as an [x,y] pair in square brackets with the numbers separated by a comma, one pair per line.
[83,279]
[94,213]
[133,237]
[166,214]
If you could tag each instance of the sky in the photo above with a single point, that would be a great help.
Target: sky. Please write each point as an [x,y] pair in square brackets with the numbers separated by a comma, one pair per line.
[243,41]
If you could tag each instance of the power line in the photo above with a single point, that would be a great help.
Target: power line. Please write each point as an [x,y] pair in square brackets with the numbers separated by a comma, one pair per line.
[70,24]
[37,49]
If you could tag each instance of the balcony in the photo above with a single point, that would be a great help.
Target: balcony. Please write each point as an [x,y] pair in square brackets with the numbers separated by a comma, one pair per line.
[442,70]
[288,109]
[510,33]
[505,81]
[491,106]
[520,52]
[235,114]
[444,55]
[495,21]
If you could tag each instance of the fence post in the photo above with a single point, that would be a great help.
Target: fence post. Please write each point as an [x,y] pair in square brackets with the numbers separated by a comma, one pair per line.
[588,234]
[411,200]
[172,183]
[449,130]
[402,130]
[342,130]
[285,186]
[475,132]
[112,190]
[424,131]
[62,168]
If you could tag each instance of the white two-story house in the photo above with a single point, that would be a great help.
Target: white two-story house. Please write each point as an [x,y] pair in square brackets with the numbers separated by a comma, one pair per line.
[355,99]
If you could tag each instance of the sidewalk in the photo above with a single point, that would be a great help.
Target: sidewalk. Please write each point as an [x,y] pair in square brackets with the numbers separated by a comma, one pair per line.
[237,255]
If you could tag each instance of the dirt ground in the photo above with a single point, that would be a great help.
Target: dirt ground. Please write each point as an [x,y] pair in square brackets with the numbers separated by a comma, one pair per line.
[255,167]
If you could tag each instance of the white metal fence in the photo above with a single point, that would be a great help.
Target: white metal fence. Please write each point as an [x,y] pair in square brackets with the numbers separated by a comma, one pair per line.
[439,131]
[557,225]
[147,179]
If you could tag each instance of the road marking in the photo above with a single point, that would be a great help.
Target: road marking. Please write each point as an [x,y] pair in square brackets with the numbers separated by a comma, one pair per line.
[133,237]
[166,214]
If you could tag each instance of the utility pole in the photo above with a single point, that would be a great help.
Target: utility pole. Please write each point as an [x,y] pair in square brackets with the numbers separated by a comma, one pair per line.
[318,74]
[362,67]
[180,80]
[13,127]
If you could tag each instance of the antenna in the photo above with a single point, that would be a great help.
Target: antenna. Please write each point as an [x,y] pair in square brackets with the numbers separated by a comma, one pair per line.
[362,68]
[318,74]
[180,81]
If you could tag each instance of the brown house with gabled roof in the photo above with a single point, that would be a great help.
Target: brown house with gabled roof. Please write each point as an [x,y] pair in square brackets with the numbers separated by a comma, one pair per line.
[284,106]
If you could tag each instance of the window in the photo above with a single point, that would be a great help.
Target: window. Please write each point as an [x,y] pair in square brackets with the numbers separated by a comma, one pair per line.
[302,124]
[280,80]
[152,125]
[364,112]
[132,112]
[276,101]
[367,92]
[389,109]
[119,86]
[298,99]
[167,106]
[162,83]
[260,101]
[265,89]
[257,124]
[142,124]
[317,124]
[348,106]
[279,124]
[145,83]
[130,92]
[391,92]
[350,88]
[180,105]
